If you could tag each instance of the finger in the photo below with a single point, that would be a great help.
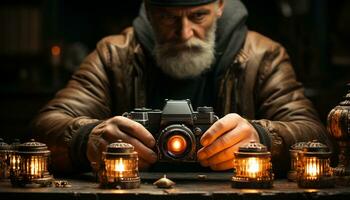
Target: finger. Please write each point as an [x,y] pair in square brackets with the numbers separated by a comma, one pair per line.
[229,139]
[135,129]
[225,155]
[204,162]
[143,152]
[219,127]
[223,166]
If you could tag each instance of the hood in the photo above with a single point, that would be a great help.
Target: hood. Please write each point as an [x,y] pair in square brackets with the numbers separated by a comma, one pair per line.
[230,34]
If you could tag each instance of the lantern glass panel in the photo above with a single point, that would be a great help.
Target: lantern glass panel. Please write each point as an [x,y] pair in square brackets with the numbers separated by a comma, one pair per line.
[4,164]
[14,163]
[33,166]
[29,165]
[120,167]
[252,167]
[314,166]
[14,158]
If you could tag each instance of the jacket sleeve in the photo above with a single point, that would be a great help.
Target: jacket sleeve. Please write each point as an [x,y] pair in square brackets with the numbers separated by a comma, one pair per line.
[282,110]
[63,124]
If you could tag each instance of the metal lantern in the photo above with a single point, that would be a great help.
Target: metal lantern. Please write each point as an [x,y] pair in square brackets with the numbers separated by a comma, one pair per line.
[33,160]
[119,168]
[314,166]
[5,153]
[252,166]
[294,160]
[338,125]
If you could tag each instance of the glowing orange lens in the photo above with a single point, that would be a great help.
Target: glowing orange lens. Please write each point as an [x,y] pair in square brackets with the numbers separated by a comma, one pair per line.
[176,144]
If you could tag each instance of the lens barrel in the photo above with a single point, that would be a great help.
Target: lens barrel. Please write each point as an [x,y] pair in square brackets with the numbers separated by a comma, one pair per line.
[176,142]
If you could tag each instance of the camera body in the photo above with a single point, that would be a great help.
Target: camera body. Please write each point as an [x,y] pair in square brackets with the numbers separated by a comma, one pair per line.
[177,129]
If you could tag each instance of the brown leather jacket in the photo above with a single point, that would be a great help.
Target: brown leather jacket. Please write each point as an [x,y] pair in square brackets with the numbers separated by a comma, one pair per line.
[111,81]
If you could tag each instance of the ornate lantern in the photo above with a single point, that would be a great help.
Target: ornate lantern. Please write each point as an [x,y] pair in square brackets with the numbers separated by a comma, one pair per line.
[33,160]
[252,166]
[338,125]
[119,168]
[5,153]
[314,166]
[294,160]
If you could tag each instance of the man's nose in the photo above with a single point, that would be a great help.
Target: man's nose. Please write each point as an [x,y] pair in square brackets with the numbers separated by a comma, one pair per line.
[186,30]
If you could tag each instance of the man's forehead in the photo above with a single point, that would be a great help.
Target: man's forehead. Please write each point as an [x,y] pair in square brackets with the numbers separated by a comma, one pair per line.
[176,3]
[181,9]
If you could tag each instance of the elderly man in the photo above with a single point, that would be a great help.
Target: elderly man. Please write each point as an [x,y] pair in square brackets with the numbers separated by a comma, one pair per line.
[181,49]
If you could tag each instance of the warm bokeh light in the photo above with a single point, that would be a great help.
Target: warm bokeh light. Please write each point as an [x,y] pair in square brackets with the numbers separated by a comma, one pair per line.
[55,50]
[176,144]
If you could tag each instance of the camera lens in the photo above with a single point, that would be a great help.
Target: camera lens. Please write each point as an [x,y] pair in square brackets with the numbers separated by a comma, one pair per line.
[176,144]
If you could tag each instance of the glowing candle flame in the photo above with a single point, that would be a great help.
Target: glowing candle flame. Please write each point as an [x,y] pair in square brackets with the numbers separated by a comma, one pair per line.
[253,165]
[311,170]
[34,167]
[13,162]
[119,167]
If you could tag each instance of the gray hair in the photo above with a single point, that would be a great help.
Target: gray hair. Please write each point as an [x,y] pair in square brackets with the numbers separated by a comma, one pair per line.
[195,56]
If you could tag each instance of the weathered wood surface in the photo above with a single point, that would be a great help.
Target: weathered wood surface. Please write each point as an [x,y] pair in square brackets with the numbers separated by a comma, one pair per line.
[188,186]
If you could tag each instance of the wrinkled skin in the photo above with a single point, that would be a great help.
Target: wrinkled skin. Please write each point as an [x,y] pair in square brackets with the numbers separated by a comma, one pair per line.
[128,131]
[224,138]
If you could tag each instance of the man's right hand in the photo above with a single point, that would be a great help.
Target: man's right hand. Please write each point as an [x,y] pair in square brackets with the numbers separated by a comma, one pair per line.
[127,130]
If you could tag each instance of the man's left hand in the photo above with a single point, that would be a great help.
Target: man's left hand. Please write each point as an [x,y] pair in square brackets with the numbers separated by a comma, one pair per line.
[224,138]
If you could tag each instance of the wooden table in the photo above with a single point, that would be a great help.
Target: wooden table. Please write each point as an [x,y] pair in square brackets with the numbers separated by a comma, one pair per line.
[188,186]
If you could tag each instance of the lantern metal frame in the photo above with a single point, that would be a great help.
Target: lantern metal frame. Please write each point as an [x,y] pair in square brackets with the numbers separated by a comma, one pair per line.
[338,125]
[261,179]
[314,169]
[119,153]
[33,165]
[14,158]
[5,156]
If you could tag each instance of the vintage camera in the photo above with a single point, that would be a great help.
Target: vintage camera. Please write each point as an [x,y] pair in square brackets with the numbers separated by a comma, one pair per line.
[177,128]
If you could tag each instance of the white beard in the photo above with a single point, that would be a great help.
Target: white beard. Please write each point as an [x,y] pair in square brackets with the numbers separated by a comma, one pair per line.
[188,59]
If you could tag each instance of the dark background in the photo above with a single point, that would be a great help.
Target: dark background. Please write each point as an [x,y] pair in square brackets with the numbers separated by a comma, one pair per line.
[315,33]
